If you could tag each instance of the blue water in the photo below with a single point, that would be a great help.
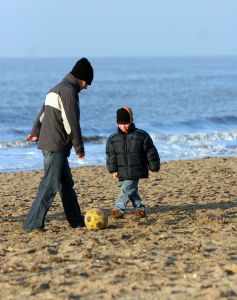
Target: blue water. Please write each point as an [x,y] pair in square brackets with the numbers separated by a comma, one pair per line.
[187,104]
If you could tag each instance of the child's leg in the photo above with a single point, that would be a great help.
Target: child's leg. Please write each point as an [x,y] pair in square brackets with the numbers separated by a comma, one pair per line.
[136,199]
[129,191]
[134,194]
[123,198]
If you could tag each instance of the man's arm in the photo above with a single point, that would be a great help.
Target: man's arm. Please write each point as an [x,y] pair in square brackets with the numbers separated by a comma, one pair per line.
[71,121]
[35,132]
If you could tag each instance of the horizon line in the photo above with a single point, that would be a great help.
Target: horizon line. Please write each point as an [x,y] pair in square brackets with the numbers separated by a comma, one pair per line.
[122,56]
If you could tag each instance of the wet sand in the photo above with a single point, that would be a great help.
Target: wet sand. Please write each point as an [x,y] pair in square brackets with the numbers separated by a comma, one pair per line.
[186,248]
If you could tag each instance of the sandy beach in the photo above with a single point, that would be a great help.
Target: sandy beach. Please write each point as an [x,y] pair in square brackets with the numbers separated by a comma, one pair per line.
[186,248]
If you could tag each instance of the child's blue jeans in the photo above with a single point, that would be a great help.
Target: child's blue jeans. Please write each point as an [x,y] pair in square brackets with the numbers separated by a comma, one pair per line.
[129,191]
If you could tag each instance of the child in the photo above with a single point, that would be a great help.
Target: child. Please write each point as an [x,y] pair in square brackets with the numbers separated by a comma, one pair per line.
[130,153]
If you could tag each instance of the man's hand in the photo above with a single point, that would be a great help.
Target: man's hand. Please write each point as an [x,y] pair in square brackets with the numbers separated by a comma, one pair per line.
[32,138]
[115,175]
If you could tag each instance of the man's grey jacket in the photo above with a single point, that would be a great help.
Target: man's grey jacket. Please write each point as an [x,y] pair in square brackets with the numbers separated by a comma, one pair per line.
[58,123]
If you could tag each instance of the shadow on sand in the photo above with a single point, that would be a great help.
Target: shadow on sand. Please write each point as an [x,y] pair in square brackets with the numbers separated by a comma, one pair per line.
[192,207]
[187,208]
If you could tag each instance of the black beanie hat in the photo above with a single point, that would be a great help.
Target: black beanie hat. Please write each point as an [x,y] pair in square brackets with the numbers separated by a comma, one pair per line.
[123,116]
[83,70]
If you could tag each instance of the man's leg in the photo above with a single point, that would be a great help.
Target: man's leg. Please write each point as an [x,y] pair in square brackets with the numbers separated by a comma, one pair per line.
[49,185]
[69,198]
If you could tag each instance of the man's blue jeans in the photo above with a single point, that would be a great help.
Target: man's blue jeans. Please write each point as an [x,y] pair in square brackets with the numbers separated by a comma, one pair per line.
[129,191]
[57,178]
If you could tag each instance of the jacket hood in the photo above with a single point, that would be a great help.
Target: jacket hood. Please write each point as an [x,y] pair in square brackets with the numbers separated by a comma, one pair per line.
[73,81]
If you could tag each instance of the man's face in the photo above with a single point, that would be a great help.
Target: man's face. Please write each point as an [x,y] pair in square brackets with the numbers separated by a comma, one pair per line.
[83,84]
[124,127]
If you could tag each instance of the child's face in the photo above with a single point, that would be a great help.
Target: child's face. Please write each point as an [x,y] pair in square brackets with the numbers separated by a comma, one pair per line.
[124,127]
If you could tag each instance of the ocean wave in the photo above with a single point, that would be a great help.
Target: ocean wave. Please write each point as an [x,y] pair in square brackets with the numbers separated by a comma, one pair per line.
[18,131]
[198,138]
[223,120]
[212,123]
[24,144]
[14,144]
[187,139]
[14,131]
[95,139]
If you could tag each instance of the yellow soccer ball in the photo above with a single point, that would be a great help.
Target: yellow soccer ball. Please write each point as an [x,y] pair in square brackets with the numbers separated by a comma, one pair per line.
[96,219]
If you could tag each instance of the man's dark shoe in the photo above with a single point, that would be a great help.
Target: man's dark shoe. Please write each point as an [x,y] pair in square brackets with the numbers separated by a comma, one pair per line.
[81,223]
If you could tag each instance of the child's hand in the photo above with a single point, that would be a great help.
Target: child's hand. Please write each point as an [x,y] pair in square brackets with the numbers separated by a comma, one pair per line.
[81,156]
[115,175]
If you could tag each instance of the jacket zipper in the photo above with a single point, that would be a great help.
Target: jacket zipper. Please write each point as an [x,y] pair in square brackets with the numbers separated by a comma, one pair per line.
[126,151]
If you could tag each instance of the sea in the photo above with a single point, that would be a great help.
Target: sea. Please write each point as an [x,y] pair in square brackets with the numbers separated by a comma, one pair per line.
[188,105]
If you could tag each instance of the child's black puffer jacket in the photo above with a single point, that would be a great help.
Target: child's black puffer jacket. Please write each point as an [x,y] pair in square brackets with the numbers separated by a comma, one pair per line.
[131,154]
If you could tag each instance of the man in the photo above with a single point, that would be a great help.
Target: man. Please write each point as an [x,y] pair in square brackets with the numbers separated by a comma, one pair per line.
[57,129]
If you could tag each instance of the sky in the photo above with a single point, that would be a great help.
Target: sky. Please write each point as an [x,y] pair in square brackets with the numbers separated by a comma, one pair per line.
[100,28]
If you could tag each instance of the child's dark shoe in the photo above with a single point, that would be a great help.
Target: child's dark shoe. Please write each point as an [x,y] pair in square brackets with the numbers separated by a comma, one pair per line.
[140,212]
[117,213]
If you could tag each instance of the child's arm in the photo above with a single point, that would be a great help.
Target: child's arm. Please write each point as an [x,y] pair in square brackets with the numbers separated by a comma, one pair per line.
[111,158]
[115,175]
[152,154]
